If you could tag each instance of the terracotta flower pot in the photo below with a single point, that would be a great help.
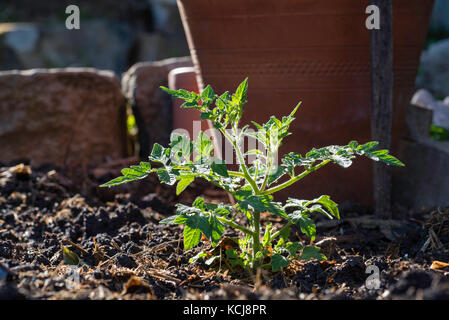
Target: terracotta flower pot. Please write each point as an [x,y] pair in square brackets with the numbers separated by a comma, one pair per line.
[314,51]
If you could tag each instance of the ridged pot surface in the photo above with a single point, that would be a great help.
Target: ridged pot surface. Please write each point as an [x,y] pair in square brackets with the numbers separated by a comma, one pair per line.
[314,51]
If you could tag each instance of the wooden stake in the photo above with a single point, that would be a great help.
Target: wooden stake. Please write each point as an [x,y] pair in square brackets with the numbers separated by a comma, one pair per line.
[381,41]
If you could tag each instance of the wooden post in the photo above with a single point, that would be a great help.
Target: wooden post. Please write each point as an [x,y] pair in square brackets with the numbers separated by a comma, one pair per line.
[381,41]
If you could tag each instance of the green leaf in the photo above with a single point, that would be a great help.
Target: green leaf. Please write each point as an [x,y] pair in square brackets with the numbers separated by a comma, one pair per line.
[220,209]
[222,102]
[70,257]
[342,161]
[267,235]
[159,154]
[320,205]
[198,203]
[198,256]
[243,193]
[206,115]
[383,156]
[211,260]
[258,126]
[330,205]
[296,215]
[365,147]
[239,97]
[312,252]
[293,248]
[181,219]
[237,262]
[165,177]
[285,234]
[182,209]
[181,93]
[276,173]
[367,150]
[254,152]
[307,226]
[319,209]
[260,136]
[183,183]
[204,147]
[292,160]
[217,229]
[353,144]
[181,148]
[191,98]
[200,222]
[115,182]
[191,105]
[207,96]
[219,167]
[296,203]
[157,151]
[192,237]
[169,220]
[130,174]
[231,254]
[234,258]
[133,173]
[341,155]
[263,203]
[278,262]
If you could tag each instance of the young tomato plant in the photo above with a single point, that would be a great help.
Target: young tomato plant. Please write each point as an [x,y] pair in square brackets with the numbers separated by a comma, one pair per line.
[252,185]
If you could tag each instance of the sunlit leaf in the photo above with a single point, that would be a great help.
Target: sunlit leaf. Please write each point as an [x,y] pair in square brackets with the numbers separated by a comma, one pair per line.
[70,257]
[263,203]
[183,184]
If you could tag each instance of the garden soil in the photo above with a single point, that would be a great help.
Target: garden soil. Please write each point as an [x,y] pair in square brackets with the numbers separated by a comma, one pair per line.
[51,218]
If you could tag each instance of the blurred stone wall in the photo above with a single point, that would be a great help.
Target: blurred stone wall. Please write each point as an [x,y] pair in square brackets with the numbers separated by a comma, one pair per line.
[433,73]
[440,16]
[114,34]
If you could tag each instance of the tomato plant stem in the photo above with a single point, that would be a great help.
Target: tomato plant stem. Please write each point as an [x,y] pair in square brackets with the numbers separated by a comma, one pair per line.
[256,235]
[295,179]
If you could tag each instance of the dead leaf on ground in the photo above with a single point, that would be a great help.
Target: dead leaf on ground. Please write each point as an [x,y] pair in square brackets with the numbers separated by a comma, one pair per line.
[438,265]
[227,243]
[135,283]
